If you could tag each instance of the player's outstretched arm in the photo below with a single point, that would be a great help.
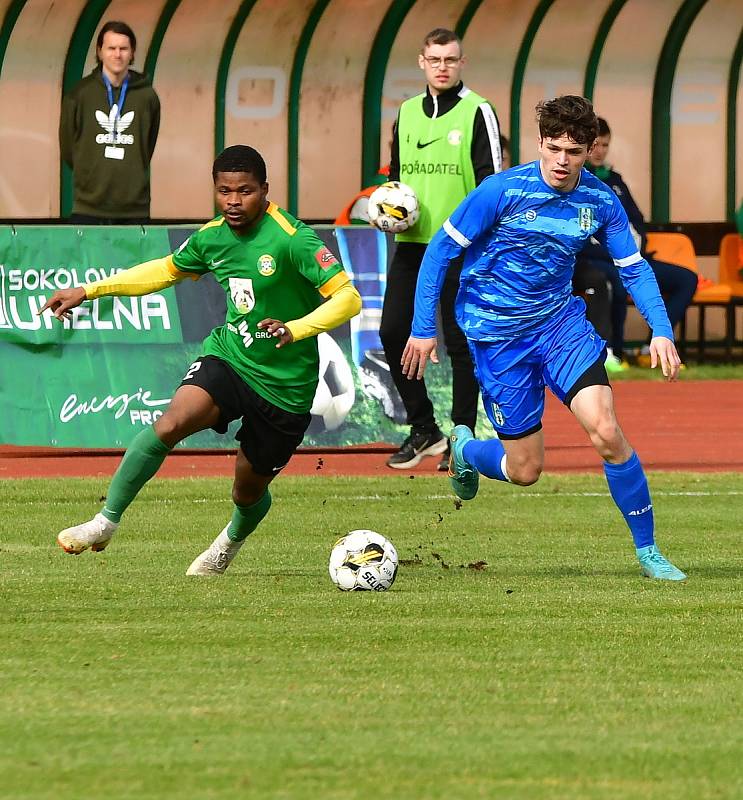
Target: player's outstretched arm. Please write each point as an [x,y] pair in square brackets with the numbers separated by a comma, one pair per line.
[63,301]
[145,278]
[636,275]
[150,276]
[663,351]
[416,354]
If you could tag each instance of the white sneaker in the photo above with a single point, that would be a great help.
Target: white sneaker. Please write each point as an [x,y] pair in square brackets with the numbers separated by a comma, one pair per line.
[217,558]
[95,534]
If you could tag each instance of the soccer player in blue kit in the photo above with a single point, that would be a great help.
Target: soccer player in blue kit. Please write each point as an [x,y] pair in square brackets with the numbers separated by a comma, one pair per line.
[521,230]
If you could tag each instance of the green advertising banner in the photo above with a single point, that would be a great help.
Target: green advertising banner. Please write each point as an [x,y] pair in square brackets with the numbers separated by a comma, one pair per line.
[97,379]
[84,382]
[36,261]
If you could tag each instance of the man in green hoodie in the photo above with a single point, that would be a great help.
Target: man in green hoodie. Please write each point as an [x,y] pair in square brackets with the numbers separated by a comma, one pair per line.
[107,134]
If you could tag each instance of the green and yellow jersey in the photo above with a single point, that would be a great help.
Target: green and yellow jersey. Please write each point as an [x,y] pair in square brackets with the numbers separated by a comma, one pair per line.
[277,269]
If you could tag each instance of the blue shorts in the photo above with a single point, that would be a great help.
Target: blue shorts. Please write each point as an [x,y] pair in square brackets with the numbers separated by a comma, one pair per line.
[512,374]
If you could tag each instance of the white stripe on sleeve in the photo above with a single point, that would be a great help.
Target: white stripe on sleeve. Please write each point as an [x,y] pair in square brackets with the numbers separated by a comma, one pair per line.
[491,125]
[627,262]
[459,238]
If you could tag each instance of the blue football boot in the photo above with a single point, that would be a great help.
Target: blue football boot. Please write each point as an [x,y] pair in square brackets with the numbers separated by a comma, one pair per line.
[463,477]
[655,565]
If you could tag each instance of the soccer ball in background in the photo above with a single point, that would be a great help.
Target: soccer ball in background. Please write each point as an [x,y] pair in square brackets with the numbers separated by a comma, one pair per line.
[363,561]
[335,392]
[393,207]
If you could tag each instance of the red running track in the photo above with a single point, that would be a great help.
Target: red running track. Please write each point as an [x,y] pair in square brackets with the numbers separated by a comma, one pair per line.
[691,425]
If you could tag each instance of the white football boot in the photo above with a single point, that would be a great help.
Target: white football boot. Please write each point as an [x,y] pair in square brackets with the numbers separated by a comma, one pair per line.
[95,534]
[217,558]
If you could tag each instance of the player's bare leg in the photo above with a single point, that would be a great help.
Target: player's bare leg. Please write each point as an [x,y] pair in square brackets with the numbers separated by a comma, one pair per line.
[191,410]
[524,458]
[514,460]
[594,409]
[252,501]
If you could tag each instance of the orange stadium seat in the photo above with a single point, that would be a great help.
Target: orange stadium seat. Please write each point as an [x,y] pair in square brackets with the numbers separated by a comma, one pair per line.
[731,274]
[677,248]
[731,263]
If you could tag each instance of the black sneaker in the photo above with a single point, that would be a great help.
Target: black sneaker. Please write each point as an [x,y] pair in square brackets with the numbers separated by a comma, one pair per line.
[444,463]
[415,447]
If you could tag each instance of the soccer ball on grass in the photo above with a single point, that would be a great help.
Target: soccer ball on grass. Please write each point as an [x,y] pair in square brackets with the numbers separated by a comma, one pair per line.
[363,561]
[393,207]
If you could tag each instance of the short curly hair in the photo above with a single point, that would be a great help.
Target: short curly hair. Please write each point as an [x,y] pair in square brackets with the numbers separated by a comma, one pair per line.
[240,158]
[569,115]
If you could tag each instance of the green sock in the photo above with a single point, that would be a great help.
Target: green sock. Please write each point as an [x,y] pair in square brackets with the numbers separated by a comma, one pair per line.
[141,461]
[245,519]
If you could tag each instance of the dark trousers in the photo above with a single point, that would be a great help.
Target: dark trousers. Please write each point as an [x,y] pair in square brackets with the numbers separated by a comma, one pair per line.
[676,284]
[591,284]
[394,330]
[89,219]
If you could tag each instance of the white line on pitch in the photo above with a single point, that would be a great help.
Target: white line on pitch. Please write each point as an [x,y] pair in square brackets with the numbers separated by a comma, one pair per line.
[518,495]
[514,495]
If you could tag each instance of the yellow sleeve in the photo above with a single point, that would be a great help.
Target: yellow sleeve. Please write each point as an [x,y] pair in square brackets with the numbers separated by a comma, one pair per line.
[151,276]
[343,303]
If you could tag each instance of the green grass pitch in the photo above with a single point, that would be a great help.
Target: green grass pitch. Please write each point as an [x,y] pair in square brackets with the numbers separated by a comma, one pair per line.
[551,671]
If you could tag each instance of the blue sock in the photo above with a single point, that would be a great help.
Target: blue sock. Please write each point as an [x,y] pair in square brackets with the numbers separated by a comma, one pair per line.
[487,457]
[629,488]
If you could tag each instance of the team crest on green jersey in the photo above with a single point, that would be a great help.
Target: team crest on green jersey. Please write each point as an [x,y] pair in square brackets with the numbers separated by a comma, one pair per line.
[266,265]
[586,219]
[242,294]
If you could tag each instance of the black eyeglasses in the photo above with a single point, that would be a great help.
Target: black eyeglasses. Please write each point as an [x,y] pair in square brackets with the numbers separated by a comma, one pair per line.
[449,61]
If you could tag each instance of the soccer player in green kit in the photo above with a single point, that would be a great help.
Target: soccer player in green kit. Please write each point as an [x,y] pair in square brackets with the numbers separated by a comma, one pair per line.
[261,365]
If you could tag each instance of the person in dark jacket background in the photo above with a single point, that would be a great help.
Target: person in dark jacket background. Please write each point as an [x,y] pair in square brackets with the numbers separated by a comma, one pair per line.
[107,134]
[677,284]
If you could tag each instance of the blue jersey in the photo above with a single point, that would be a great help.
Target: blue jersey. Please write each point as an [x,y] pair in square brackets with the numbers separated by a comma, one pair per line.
[521,237]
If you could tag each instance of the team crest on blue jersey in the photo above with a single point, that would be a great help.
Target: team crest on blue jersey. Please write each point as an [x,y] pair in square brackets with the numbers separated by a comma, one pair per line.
[498,416]
[531,215]
[266,265]
[586,219]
